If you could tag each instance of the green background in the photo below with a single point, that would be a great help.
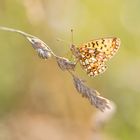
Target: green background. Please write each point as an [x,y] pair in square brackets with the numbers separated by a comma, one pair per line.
[29,84]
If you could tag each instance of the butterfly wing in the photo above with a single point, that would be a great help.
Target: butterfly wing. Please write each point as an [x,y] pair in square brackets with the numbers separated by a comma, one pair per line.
[91,65]
[94,53]
[103,48]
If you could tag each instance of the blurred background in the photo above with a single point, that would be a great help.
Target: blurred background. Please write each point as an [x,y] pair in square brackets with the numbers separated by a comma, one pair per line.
[38,101]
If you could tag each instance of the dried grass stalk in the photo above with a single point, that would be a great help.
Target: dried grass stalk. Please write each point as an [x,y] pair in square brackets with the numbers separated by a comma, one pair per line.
[92,95]
[65,64]
[41,48]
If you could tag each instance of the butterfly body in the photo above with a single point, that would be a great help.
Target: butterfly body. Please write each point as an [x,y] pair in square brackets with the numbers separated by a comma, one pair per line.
[93,54]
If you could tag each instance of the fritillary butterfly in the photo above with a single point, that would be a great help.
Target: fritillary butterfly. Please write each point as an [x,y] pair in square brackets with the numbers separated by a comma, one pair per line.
[93,54]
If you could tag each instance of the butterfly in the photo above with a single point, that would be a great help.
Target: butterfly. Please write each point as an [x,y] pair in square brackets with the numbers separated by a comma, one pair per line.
[93,54]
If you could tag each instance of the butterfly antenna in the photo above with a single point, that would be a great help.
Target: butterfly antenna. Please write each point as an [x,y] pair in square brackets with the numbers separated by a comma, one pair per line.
[72,36]
[62,40]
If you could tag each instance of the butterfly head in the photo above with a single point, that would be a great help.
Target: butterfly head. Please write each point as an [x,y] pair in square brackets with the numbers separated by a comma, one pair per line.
[74,50]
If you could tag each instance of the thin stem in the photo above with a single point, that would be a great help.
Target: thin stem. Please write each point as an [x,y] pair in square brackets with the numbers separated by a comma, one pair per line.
[28,36]
[15,30]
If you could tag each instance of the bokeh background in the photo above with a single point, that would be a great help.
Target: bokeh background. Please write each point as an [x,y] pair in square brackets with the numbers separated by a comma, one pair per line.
[38,101]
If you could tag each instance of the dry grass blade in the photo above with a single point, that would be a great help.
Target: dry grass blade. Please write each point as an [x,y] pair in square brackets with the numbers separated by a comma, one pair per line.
[41,48]
[65,64]
[92,95]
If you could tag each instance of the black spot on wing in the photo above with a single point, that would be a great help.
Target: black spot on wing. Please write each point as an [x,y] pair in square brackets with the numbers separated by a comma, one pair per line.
[93,44]
[97,43]
[88,44]
[103,41]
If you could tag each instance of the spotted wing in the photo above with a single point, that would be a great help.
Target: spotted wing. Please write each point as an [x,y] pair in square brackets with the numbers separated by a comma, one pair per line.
[92,66]
[102,49]
[93,54]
